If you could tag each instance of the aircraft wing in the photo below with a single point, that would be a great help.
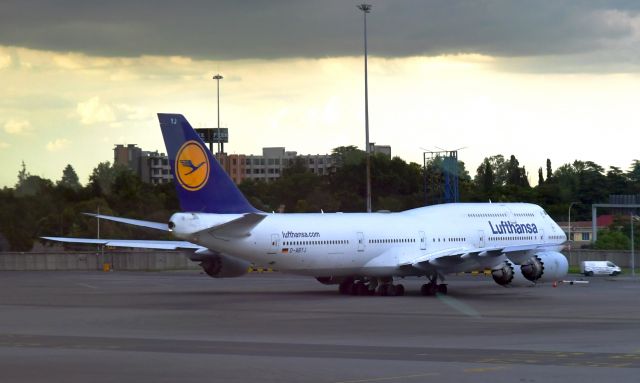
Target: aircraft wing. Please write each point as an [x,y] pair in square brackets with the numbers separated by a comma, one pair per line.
[143,244]
[130,221]
[458,254]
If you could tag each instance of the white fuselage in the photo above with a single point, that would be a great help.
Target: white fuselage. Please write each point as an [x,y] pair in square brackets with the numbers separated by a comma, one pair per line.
[374,244]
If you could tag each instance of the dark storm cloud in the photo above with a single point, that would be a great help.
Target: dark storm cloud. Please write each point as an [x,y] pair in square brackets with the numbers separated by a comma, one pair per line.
[280,29]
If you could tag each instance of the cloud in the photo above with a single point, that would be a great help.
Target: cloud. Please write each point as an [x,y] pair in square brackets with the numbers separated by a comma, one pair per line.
[57,144]
[230,29]
[17,126]
[93,111]
[4,145]
[5,60]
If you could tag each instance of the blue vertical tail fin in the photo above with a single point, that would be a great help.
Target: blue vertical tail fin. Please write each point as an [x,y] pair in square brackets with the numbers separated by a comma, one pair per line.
[201,183]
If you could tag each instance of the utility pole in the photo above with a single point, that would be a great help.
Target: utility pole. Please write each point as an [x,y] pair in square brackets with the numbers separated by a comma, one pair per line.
[366,8]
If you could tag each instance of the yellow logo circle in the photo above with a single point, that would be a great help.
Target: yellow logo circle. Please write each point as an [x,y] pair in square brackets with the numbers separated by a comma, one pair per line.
[192,166]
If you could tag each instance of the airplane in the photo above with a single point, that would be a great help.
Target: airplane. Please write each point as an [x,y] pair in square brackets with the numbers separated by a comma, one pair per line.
[362,253]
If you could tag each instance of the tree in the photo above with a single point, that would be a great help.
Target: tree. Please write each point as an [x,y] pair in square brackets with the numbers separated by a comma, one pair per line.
[34,185]
[633,175]
[516,175]
[592,185]
[22,175]
[69,178]
[485,179]
[612,240]
[634,171]
[549,172]
[617,181]
[347,155]
[103,176]
[499,167]
[540,178]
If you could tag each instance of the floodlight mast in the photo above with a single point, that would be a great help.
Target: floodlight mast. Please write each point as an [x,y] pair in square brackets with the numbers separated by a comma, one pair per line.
[218,77]
[366,8]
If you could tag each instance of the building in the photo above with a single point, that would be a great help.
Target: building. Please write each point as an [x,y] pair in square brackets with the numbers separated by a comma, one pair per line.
[128,156]
[271,164]
[234,165]
[581,231]
[153,167]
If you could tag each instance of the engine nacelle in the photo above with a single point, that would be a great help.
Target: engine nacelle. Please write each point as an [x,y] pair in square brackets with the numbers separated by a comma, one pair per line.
[224,266]
[545,266]
[509,274]
[330,280]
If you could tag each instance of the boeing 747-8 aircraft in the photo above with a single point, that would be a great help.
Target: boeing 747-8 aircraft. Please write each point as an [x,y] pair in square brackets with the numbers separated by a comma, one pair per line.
[363,253]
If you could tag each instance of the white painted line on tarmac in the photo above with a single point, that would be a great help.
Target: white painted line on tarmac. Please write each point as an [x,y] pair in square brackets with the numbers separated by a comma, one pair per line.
[390,378]
[458,305]
[87,286]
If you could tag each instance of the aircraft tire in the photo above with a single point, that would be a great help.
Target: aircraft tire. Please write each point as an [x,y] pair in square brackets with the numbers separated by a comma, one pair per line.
[429,289]
[391,290]
[361,289]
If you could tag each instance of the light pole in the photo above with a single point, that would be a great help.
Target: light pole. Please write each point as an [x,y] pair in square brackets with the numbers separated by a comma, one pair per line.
[569,231]
[633,255]
[366,8]
[218,77]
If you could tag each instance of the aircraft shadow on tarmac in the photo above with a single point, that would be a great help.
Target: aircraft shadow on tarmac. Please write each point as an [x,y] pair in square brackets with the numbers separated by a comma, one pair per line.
[483,295]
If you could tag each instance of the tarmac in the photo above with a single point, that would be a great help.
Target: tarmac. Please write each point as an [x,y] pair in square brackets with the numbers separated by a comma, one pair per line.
[186,327]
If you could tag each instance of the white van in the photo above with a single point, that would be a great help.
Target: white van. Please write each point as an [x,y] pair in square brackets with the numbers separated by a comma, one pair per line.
[589,268]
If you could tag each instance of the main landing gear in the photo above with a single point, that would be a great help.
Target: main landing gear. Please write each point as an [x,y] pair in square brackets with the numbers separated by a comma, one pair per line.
[432,288]
[383,287]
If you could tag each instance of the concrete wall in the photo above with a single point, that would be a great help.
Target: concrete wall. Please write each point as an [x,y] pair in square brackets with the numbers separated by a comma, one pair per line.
[119,260]
[621,258]
[176,260]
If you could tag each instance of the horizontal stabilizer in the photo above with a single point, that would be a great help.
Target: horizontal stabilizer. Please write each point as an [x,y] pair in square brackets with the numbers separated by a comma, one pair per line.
[144,244]
[130,221]
[239,227]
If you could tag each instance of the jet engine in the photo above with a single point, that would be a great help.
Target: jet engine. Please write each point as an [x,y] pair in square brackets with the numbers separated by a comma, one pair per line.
[545,266]
[224,266]
[509,274]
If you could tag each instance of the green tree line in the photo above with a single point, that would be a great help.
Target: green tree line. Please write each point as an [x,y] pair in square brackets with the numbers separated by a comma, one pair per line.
[37,207]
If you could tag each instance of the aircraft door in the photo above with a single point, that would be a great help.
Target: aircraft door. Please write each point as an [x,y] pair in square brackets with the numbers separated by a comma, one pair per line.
[275,244]
[542,238]
[360,236]
[481,239]
[423,240]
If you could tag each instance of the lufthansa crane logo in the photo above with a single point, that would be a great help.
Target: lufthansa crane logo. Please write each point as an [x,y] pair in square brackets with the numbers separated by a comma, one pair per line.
[192,166]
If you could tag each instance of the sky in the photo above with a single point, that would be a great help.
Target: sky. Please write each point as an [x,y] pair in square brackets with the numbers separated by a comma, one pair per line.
[537,79]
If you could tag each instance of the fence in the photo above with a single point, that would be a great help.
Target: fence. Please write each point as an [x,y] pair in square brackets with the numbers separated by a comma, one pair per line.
[621,258]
